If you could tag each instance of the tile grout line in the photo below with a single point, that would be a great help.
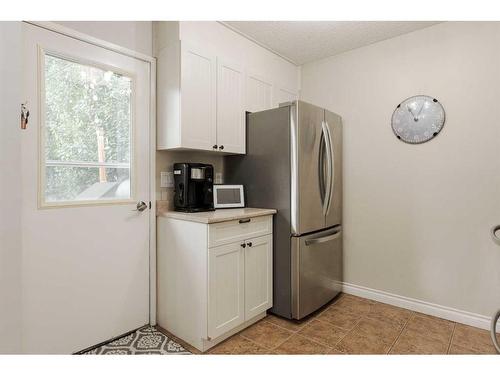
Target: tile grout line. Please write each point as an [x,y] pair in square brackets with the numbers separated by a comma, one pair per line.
[402,330]
[294,333]
[331,324]
[328,346]
[372,303]
[253,342]
[333,347]
[288,338]
[289,330]
[348,332]
[451,338]
[274,347]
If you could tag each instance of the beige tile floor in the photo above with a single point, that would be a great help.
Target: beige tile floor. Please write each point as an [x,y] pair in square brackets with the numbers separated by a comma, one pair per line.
[353,325]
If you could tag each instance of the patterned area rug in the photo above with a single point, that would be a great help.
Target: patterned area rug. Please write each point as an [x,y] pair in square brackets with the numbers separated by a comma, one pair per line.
[147,340]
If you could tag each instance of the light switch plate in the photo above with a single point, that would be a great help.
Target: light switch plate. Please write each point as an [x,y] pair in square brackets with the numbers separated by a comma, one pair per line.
[167,179]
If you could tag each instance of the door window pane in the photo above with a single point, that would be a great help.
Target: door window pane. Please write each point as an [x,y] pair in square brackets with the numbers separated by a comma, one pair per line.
[66,183]
[87,132]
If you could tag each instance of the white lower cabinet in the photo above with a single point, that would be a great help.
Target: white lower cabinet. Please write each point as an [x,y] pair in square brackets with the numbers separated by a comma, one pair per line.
[239,283]
[213,279]
[258,275]
[226,288]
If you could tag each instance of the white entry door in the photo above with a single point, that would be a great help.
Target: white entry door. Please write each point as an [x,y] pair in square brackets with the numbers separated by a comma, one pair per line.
[85,167]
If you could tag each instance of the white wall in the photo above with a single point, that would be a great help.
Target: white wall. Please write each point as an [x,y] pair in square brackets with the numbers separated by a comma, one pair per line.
[10,188]
[135,35]
[417,217]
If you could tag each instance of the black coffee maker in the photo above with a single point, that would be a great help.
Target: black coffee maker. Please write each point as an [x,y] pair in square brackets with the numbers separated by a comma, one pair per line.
[194,184]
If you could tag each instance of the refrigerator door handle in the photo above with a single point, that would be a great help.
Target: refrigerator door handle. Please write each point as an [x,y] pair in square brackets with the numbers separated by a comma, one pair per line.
[331,169]
[326,137]
[330,237]
[321,169]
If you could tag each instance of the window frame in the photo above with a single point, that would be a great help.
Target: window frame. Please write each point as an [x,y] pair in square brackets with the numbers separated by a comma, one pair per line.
[42,162]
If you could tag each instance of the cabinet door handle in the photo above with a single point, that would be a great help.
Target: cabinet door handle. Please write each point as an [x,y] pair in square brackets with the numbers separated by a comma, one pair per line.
[243,245]
[243,221]
[221,147]
[214,147]
[249,244]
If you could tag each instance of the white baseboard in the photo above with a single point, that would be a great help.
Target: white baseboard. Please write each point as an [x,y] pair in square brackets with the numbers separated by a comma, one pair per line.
[449,313]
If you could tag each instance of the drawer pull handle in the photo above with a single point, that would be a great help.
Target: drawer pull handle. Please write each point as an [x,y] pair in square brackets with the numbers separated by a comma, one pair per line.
[243,221]
[315,241]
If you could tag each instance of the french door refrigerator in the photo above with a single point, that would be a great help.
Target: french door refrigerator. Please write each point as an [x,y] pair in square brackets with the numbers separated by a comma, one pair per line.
[294,164]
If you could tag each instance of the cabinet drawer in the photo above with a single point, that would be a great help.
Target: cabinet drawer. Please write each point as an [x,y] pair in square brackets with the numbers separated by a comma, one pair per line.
[239,230]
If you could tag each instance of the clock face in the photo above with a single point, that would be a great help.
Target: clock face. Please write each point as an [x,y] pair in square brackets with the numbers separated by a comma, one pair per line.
[418,119]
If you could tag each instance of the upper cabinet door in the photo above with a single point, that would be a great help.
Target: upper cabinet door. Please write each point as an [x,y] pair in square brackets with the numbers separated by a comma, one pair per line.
[198,101]
[259,94]
[282,95]
[230,107]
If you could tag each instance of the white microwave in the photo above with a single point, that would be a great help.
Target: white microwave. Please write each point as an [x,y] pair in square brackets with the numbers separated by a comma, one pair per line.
[229,196]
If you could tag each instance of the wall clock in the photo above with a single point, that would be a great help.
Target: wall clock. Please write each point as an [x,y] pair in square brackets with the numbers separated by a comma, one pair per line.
[418,119]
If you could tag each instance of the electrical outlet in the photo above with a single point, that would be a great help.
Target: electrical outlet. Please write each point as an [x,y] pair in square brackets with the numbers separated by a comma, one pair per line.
[167,179]
[218,178]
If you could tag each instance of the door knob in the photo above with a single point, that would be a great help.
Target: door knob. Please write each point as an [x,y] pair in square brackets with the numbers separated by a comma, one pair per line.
[141,206]
[495,234]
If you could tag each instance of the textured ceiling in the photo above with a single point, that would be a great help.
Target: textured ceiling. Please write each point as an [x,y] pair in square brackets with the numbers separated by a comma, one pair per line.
[306,41]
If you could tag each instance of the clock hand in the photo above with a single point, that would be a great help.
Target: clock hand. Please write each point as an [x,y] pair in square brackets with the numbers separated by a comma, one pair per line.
[411,112]
[421,107]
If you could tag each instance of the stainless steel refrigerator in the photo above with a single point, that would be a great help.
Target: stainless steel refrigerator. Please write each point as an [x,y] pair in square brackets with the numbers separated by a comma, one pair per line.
[294,164]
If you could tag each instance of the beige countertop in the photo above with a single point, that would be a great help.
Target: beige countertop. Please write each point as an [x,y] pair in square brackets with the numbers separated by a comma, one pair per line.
[217,216]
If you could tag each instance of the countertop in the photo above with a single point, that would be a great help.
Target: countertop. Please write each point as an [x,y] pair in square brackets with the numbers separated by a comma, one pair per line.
[219,215]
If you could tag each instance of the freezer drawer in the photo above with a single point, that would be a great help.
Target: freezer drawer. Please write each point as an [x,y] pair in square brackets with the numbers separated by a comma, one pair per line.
[316,270]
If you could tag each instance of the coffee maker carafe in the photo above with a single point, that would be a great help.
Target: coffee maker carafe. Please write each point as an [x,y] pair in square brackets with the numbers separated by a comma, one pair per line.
[193,187]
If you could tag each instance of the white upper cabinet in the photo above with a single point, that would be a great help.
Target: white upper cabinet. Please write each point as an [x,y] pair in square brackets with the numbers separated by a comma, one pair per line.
[284,95]
[198,102]
[259,93]
[230,107]
[204,86]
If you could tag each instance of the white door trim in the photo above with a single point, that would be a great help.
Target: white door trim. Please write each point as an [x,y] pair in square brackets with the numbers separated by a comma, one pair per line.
[60,29]
[51,26]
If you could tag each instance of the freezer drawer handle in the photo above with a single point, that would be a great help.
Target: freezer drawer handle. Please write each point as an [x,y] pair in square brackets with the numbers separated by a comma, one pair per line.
[243,221]
[315,241]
